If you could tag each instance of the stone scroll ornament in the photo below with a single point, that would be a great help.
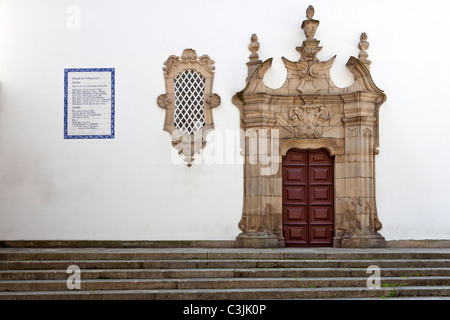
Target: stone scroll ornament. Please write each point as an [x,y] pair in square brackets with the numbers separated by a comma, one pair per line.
[188,101]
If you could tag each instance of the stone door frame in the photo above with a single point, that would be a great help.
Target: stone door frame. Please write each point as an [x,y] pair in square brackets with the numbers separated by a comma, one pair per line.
[310,112]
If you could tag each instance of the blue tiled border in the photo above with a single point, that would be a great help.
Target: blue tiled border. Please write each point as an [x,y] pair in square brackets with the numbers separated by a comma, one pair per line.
[66,71]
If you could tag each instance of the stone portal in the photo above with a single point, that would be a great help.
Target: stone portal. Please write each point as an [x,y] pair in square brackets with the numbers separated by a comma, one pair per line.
[309,113]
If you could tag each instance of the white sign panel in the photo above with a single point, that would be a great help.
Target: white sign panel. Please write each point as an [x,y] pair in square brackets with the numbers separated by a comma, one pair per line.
[89,103]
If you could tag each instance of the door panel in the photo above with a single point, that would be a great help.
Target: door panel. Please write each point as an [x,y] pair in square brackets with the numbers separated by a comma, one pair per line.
[297,234]
[321,175]
[321,195]
[320,235]
[295,195]
[319,157]
[296,214]
[320,215]
[295,175]
[296,158]
[308,198]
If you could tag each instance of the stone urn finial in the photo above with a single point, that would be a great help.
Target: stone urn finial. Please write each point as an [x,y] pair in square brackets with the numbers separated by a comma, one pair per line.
[363,46]
[254,61]
[310,26]
[254,47]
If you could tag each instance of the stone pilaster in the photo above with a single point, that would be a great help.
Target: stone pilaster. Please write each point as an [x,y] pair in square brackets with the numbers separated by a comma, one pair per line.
[358,210]
[261,223]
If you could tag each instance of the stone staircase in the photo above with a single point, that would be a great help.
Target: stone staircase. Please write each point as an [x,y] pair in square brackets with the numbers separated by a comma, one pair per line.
[223,274]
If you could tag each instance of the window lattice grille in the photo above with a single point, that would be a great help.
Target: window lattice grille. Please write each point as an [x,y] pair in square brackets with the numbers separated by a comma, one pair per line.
[189,101]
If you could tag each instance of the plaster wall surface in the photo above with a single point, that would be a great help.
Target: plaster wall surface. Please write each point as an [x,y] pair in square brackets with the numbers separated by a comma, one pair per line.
[133,187]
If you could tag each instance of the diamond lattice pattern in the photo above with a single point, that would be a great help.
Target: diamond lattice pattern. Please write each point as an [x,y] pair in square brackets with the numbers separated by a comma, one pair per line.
[189,101]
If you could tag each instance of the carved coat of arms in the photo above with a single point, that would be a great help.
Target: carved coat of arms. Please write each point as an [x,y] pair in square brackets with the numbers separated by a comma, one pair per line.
[308,119]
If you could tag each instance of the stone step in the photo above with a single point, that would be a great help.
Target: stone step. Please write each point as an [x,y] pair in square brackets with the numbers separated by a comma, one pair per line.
[218,273]
[20,254]
[231,294]
[203,264]
[218,283]
[221,274]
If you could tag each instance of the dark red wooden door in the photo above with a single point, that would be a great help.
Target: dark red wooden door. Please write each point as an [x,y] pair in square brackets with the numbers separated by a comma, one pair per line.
[308,198]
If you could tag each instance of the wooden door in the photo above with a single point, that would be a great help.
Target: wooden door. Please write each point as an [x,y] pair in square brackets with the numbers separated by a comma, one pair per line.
[308,198]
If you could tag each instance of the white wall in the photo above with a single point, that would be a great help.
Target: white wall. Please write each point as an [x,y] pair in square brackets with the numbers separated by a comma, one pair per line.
[128,188]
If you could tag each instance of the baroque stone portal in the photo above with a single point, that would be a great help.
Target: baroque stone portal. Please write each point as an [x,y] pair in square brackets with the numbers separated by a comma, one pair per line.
[308,113]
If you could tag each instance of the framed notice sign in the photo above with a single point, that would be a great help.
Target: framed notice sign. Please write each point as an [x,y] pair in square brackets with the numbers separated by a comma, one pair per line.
[89,103]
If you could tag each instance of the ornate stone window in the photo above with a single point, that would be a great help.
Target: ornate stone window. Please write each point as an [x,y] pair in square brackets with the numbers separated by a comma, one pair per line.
[188,101]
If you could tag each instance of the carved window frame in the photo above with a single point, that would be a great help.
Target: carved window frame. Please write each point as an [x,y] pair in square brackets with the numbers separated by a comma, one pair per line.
[188,144]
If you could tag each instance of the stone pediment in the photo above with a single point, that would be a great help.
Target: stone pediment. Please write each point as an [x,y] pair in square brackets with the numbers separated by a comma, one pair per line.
[305,78]
[309,76]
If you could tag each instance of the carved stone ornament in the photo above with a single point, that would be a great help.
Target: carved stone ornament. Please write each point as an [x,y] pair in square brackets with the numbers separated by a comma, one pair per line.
[308,118]
[310,113]
[188,101]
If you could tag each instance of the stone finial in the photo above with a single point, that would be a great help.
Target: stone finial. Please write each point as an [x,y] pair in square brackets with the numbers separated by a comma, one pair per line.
[254,62]
[254,47]
[310,46]
[189,54]
[310,26]
[310,12]
[363,46]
